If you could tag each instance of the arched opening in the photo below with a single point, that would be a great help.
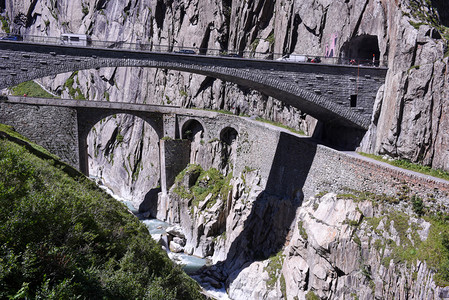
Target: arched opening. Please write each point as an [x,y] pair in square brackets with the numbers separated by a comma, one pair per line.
[363,49]
[228,137]
[125,158]
[193,131]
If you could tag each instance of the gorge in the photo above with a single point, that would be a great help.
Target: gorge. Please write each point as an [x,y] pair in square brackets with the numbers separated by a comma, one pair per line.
[279,215]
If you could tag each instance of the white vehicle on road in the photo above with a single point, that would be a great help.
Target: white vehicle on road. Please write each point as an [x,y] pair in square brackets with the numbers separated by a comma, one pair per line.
[75,39]
[293,58]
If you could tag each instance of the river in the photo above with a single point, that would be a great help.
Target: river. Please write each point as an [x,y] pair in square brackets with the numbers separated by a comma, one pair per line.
[157,229]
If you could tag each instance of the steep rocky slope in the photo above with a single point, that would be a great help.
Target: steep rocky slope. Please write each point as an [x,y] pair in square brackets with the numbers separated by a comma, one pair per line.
[353,245]
[410,121]
[410,118]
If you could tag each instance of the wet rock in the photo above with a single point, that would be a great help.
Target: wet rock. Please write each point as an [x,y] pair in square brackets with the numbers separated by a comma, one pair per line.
[175,230]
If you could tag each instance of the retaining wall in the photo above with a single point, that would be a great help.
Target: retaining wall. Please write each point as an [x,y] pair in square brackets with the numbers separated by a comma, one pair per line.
[54,128]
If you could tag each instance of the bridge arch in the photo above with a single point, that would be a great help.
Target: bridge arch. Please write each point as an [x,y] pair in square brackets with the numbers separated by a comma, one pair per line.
[228,135]
[192,129]
[132,151]
[297,85]
[87,118]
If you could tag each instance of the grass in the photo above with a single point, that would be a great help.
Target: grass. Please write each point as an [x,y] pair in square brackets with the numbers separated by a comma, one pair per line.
[62,237]
[75,93]
[210,182]
[280,125]
[5,24]
[405,164]
[409,248]
[274,268]
[31,89]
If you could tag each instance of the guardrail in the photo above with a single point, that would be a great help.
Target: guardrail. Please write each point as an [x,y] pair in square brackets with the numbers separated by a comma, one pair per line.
[150,47]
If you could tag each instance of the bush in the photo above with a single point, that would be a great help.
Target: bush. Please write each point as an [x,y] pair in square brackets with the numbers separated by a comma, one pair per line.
[62,237]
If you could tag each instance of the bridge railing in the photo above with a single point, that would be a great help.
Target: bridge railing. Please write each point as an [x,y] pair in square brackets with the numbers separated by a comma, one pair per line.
[150,47]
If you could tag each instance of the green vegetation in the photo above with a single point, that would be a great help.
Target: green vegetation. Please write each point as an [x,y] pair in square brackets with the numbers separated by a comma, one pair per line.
[85,10]
[425,12]
[271,39]
[409,248]
[63,238]
[106,96]
[31,89]
[405,164]
[273,268]
[5,24]
[75,93]
[312,296]
[183,93]
[119,138]
[281,125]
[302,231]
[204,183]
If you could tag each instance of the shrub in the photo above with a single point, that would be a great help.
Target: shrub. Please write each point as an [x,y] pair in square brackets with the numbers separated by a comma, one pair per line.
[61,237]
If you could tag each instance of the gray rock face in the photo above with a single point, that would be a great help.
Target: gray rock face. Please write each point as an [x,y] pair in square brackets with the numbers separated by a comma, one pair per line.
[411,118]
[410,121]
[341,249]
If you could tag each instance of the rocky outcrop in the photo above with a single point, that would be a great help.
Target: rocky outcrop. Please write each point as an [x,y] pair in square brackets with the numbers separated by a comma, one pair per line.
[310,243]
[410,120]
[343,248]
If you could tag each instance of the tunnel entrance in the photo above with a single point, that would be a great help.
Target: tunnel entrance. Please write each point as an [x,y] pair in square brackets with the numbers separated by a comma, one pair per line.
[363,49]
[442,7]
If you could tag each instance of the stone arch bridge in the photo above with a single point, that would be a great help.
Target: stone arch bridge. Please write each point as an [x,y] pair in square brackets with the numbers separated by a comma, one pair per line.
[339,95]
[62,127]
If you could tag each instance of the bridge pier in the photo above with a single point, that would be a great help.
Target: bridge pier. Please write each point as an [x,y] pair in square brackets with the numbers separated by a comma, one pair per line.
[174,153]
[82,153]
[174,157]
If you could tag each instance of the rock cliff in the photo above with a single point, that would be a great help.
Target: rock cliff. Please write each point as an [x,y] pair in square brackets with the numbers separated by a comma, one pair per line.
[410,121]
[408,36]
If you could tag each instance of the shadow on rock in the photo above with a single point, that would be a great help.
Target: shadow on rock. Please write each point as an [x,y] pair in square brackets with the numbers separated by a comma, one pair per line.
[266,229]
[149,203]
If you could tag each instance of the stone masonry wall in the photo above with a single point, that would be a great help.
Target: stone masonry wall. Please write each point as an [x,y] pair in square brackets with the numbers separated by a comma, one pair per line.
[54,128]
[338,171]
[288,163]
[334,84]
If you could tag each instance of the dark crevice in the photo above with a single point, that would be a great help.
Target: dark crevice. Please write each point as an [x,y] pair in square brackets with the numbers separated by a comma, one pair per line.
[415,50]
[182,14]
[400,118]
[30,20]
[101,4]
[160,13]
[312,31]
[205,41]
[127,7]
[322,24]
[207,83]
[296,21]
[137,160]
[111,142]
[359,21]
[339,272]
[266,13]
[442,6]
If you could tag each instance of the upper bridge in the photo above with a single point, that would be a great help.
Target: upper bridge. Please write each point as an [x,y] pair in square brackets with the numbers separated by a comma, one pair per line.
[341,95]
